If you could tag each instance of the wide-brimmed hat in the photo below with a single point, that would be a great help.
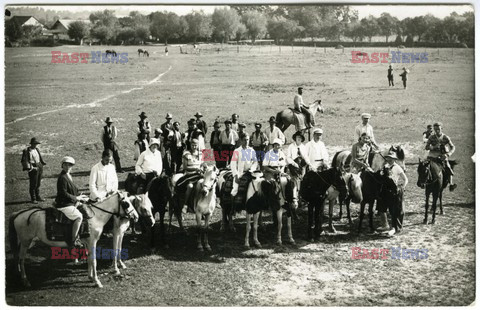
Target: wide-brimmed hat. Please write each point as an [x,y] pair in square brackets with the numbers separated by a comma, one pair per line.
[228,122]
[235,115]
[298,134]
[34,141]
[257,174]
[366,115]
[272,119]
[300,88]
[158,130]
[391,155]
[108,120]
[169,116]
[318,131]
[198,114]
[258,125]
[277,141]
[69,160]
[438,124]
[143,115]
[242,125]
[154,141]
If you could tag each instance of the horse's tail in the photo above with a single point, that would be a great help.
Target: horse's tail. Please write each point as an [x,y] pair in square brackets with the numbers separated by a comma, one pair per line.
[12,234]
[278,120]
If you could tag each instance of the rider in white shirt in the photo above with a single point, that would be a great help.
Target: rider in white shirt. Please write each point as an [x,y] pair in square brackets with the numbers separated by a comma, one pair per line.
[103,178]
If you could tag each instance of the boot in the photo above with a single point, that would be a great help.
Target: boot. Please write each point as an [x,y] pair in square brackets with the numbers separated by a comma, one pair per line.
[384,222]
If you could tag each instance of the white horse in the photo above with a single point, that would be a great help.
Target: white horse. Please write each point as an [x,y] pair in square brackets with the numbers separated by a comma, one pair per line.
[204,202]
[29,224]
[120,225]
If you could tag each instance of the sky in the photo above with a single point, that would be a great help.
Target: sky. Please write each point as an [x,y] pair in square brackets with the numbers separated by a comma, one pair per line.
[399,11]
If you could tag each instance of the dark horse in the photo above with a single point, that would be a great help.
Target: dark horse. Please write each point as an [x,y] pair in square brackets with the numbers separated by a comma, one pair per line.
[313,189]
[143,52]
[112,52]
[375,186]
[432,177]
[159,193]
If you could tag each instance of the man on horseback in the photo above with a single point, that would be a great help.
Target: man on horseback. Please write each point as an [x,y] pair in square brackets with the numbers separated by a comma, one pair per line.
[365,127]
[299,106]
[275,161]
[228,138]
[68,199]
[243,162]
[259,142]
[193,169]
[440,148]
[317,153]
[149,164]
[103,178]
[360,152]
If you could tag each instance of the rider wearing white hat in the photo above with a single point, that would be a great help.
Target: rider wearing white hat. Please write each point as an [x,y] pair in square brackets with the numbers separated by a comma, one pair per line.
[274,161]
[68,198]
[317,152]
[149,163]
[367,128]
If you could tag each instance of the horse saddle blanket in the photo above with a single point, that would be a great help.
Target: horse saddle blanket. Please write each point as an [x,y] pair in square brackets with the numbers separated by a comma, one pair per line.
[59,228]
[240,198]
[300,120]
[227,185]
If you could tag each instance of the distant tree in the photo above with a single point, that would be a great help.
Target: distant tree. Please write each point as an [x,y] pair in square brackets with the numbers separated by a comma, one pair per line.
[467,26]
[127,35]
[387,25]
[13,31]
[369,27]
[166,25]
[452,26]
[256,25]
[436,32]
[142,33]
[103,33]
[241,32]
[104,26]
[354,31]
[265,10]
[31,31]
[225,23]
[409,41]
[199,25]
[281,29]
[78,30]
[309,18]
[398,40]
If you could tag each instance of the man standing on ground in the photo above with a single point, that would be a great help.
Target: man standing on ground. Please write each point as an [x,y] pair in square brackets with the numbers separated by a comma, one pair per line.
[273,132]
[109,135]
[33,163]
[390,76]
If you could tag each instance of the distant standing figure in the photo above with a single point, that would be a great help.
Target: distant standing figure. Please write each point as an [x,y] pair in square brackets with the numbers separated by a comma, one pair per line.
[235,122]
[273,132]
[427,134]
[390,76]
[33,163]
[109,135]
[404,77]
[201,124]
[166,50]
[177,148]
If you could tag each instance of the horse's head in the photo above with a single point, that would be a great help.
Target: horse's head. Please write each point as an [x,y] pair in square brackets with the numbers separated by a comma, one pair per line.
[354,185]
[424,173]
[144,207]
[210,178]
[389,184]
[126,209]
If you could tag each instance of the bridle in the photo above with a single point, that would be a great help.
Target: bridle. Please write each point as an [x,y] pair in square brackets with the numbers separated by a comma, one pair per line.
[429,175]
[122,205]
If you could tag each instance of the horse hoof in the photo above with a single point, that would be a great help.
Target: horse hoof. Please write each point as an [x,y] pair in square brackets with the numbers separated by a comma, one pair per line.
[26,283]
[425,221]
[98,284]
[258,245]
[291,241]
[246,246]
[279,242]
[200,248]
[208,248]
[117,272]
[311,240]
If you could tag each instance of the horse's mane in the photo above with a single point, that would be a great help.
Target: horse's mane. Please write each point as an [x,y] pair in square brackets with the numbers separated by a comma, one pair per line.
[334,160]
[400,153]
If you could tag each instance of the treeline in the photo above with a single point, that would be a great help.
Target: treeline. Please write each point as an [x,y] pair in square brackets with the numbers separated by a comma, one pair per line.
[284,24]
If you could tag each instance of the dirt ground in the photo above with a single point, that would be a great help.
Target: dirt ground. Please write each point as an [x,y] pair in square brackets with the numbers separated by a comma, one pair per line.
[64,106]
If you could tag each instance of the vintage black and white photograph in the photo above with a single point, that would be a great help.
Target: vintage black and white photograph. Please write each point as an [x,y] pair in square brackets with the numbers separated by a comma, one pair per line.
[254,154]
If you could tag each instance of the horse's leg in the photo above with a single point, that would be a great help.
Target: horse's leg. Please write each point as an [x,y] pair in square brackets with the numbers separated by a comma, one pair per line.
[230,216]
[434,206]
[256,217]
[163,238]
[224,218]
[370,215]
[440,201]
[427,196]
[341,207]
[21,262]
[122,264]
[289,228]
[247,230]
[331,203]
[92,259]
[362,214]
[198,217]
[310,222]
[347,204]
[319,218]
[116,241]
[207,245]
[279,214]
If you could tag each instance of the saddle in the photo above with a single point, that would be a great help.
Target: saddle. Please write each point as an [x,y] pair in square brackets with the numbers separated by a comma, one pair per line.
[58,227]
[240,199]
[300,120]
[134,182]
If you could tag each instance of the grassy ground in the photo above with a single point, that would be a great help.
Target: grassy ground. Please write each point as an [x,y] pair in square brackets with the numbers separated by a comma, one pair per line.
[65,105]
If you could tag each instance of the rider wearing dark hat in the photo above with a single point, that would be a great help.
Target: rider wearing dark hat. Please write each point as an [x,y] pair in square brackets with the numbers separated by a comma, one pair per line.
[144,125]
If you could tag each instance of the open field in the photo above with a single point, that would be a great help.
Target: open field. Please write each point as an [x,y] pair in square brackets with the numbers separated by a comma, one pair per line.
[64,106]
